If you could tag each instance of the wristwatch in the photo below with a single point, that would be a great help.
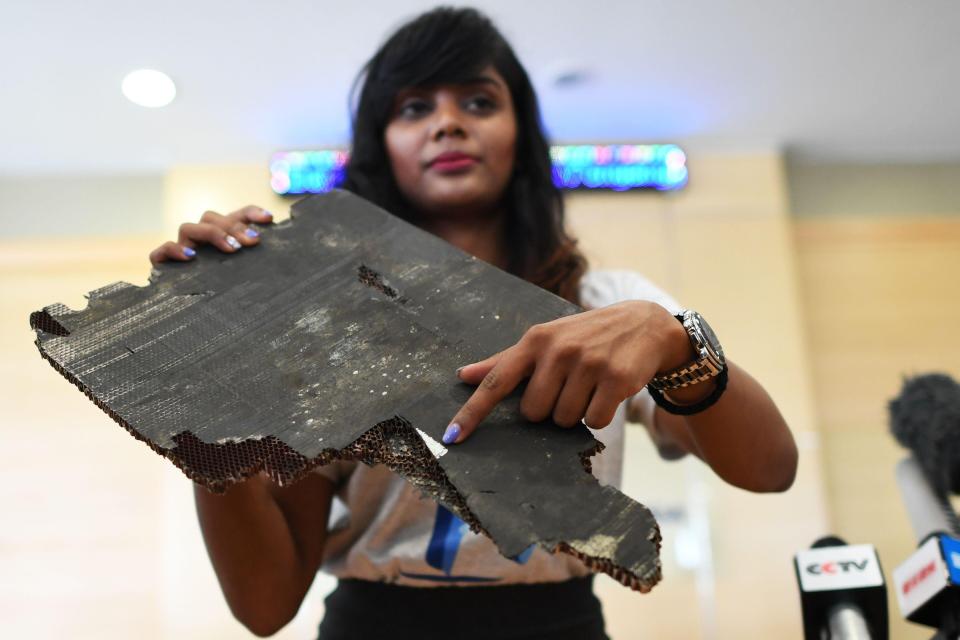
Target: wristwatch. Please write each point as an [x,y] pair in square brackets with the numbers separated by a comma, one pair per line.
[710,361]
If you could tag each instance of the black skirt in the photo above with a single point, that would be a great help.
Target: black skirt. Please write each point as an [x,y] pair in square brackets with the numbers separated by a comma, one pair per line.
[359,609]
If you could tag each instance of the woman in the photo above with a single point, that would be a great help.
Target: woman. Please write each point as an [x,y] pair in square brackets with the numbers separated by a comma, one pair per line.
[447,136]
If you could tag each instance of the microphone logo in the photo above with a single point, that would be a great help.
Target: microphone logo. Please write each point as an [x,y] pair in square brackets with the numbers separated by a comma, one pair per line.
[842,567]
[925,572]
[833,568]
[921,578]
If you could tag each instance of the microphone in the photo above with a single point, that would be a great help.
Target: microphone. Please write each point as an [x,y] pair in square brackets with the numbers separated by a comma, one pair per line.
[842,592]
[925,418]
[927,583]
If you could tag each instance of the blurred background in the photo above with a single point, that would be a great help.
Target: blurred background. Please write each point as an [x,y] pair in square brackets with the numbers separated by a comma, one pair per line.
[819,232]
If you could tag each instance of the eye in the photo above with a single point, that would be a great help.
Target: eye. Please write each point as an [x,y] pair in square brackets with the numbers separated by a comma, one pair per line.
[481,103]
[412,108]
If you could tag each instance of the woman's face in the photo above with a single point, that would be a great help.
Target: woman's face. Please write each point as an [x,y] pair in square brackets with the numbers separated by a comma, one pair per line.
[451,147]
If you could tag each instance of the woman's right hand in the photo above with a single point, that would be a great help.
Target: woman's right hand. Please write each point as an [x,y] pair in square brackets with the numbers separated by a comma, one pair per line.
[229,233]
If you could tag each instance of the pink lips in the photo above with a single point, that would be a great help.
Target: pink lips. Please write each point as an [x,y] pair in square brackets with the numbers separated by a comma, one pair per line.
[452,162]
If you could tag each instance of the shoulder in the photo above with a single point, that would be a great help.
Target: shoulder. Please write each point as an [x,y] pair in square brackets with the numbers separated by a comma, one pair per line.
[603,287]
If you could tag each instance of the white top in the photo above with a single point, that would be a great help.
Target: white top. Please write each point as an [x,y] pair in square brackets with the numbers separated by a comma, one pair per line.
[382,529]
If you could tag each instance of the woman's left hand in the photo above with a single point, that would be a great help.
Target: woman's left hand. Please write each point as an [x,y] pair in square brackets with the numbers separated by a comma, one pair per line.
[580,367]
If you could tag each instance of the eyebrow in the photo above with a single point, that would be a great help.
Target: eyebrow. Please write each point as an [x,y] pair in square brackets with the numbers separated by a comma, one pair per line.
[483,79]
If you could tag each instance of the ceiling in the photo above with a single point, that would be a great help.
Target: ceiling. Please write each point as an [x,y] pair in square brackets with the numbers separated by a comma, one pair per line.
[853,81]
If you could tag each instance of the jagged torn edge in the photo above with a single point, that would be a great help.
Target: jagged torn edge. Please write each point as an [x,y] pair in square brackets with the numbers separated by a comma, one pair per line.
[394,443]
[404,449]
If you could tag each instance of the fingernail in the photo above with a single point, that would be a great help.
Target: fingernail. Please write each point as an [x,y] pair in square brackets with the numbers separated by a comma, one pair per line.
[187,251]
[252,233]
[233,242]
[459,369]
[267,213]
[451,434]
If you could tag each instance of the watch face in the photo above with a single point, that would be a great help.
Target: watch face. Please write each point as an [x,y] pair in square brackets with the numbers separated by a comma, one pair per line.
[711,338]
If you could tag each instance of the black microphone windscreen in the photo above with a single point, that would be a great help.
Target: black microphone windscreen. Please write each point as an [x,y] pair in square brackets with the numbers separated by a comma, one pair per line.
[925,418]
[828,541]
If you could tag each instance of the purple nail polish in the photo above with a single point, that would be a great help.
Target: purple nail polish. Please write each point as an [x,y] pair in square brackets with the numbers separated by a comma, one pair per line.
[451,434]
[267,213]
[187,251]
[233,242]
[252,233]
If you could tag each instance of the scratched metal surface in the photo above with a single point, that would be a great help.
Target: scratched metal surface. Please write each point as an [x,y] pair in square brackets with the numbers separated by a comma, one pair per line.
[339,336]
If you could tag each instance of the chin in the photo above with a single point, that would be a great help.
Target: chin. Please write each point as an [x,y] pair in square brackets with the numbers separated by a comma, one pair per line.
[465,197]
[458,207]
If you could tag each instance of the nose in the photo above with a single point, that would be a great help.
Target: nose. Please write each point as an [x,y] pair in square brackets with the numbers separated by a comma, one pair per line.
[447,120]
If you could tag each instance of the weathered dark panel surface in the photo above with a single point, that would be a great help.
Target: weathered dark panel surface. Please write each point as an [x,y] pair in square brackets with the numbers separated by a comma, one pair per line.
[339,336]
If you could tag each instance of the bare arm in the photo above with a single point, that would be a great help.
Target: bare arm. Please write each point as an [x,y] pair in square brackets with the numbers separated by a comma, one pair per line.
[742,437]
[266,545]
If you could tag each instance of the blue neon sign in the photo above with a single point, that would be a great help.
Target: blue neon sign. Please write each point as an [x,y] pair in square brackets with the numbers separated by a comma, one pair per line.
[619,167]
[296,172]
[615,167]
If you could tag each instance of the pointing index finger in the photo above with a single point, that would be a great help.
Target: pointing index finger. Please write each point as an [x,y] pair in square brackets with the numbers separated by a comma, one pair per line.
[512,368]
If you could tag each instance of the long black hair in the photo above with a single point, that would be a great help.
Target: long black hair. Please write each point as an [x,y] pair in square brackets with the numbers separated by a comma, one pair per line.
[451,46]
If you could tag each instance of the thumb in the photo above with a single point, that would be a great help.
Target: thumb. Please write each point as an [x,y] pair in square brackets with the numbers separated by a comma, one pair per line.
[475,373]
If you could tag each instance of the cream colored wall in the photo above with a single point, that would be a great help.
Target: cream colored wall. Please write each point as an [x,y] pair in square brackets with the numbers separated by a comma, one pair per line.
[188,191]
[69,205]
[81,547]
[131,561]
[881,301]
[100,538]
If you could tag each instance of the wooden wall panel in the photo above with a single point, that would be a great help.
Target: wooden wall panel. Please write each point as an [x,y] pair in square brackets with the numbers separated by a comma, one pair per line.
[881,300]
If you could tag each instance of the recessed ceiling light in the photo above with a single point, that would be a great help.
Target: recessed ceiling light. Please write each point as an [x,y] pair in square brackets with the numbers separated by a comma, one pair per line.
[564,78]
[567,74]
[149,88]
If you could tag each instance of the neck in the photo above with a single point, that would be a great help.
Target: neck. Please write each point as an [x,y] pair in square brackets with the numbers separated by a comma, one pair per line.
[480,236]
